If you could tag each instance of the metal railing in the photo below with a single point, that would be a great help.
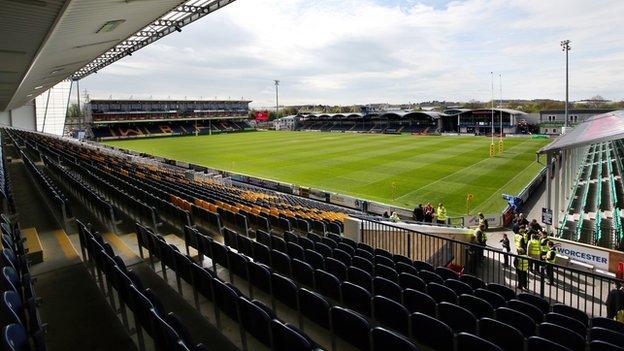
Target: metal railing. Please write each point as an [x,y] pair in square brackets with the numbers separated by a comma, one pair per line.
[577,288]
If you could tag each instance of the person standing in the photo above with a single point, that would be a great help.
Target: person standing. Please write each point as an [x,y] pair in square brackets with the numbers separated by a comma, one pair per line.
[481,240]
[544,243]
[484,221]
[507,248]
[429,212]
[519,240]
[534,251]
[550,257]
[419,213]
[522,269]
[615,301]
[441,212]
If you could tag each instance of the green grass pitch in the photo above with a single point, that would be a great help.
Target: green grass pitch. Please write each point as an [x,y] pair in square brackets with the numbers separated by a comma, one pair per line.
[402,170]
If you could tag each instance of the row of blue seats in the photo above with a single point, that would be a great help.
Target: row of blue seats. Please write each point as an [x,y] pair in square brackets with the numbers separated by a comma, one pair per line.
[21,325]
[524,313]
[166,330]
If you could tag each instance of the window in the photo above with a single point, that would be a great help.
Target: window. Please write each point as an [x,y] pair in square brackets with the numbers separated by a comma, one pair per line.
[51,108]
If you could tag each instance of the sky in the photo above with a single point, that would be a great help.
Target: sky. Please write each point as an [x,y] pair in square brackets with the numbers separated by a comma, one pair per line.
[380,51]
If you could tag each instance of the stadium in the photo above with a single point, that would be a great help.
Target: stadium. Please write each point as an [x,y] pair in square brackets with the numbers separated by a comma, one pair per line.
[197,224]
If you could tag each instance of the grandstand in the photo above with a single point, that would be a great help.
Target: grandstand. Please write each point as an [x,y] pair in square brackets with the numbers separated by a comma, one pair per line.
[587,166]
[120,119]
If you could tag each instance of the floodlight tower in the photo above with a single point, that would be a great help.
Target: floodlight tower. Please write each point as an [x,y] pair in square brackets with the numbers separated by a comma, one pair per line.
[500,139]
[565,45]
[492,124]
[276,97]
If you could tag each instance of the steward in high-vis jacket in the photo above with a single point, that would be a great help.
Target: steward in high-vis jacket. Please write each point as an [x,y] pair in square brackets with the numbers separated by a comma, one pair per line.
[441,213]
[534,250]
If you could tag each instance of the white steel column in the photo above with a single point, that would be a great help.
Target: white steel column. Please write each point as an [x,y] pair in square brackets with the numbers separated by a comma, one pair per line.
[548,185]
[557,197]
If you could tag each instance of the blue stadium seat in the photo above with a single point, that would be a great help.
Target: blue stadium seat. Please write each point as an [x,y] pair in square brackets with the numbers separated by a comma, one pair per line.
[446,273]
[441,293]
[261,253]
[430,332]
[225,298]
[562,336]
[456,317]
[503,335]
[383,339]
[360,277]
[411,281]
[336,268]
[536,301]
[430,277]
[364,254]
[387,288]
[381,270]
[303,273]
[382,252]
[385,260]
[402,259]
[314,259]
[458,286]
[606,335]
[390,314]
[342,256]
[516,319]
[347,248]
[259,277]
[571,312]
[496,300]
[607,323]
[255,320]
[526,308]
[323,249]
[363,264]
[403,267]
[478,306]
[295,251]
[15,338]
[566,322]
[327,284]
[474,282]
[280,263]
[418,301]
[423,266]
[356,298]
[536,343]
[350,327]
[284,290]
[12,308]
[506,292]
[314,307]
[603,346]
[288,338]
[306,243]
[470,342]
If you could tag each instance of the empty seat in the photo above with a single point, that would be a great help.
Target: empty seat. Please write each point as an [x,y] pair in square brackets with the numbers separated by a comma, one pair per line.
[383,339]
[259,276]
[284,290]
[423,266]
[280,262]
[503,335]
[470,342]
[323,249]
[327,284]
[295,250]
[342,256]
[478,306]
[607,323]
[360,277]
[390,314]
[506,292]
[15,338]
[431,332]
[566,322]
[347,248]
[536,301]
[261,253]
[255,320]
[387,288]
[356,298]
[474,282]
[441,293]
[278,243]
[430,277]
[606,335]
[516,319]
[417,301]
[458,286]
[363,264]
[496,300]
[350,327]
[403,267]
[457,317]
[571,312]
[364,254]
[526,308]
[314,307]
[411,281]
[384,260]
[381,270]
[382,252]
[302,272]
[603,346]
[336,268]
[446,273]
[536,343]
[288,338]
[562,336]
[314,259]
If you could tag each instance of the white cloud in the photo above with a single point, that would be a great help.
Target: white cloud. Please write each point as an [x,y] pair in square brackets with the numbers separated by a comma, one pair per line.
[358,51]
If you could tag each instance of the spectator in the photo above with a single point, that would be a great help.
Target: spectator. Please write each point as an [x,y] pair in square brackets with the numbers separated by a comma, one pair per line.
[419,213]
[505,244]
[441,212]
[386,215]
[515,224]
[429,213]
[395,217]
[484,221]
[520,240]
[481,240]
[550,257]
[522,268]
[615,301]
[534,226]
[544,243]
[522,220]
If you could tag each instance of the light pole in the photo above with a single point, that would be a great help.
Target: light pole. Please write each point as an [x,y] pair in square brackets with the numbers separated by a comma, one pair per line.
[492,124]
[276,97]
[500,139]
[565,45]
